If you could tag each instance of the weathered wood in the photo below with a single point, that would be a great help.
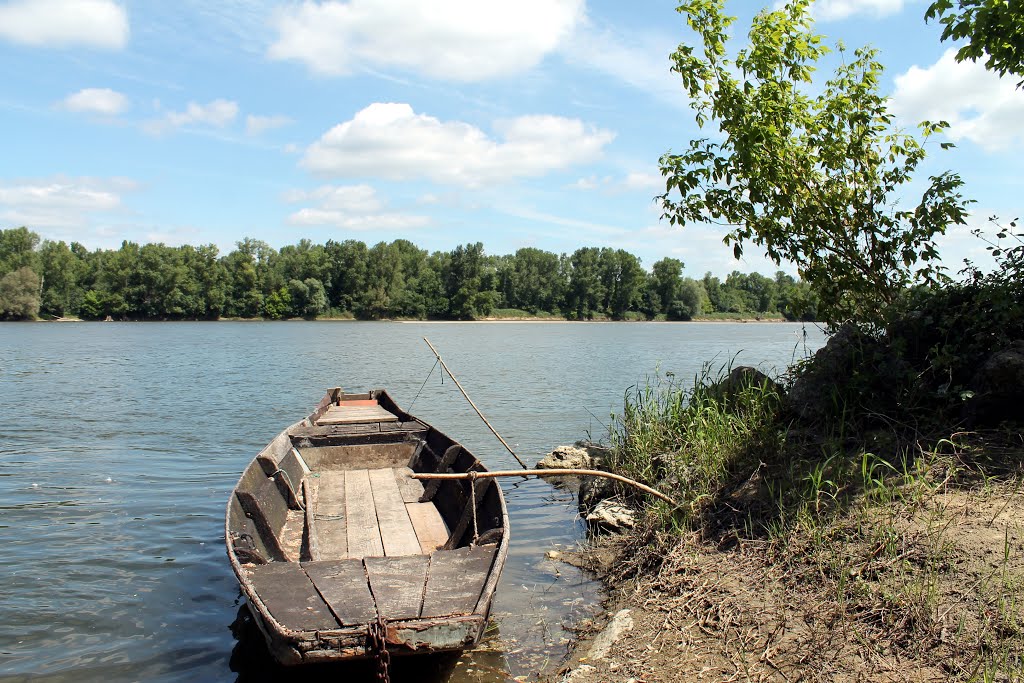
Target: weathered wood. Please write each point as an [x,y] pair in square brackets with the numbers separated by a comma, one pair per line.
[290,597]
[347,402]
[310,498]
[431,531]
[244,537]
[268,510]
[271,455]
[291,471]
[397,584]
[342,583]
[403,426]
[441,476]
[396,531]
[346,415]
[411,488]
[291,535]
[466,519]
[359,457]
[363,531]
[331,515]
[430,489]
[455,579]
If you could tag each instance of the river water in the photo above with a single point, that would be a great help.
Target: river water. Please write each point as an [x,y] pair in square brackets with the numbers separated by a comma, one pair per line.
[120,442]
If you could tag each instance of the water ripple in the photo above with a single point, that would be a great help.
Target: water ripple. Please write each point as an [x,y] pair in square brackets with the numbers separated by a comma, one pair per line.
[112,498]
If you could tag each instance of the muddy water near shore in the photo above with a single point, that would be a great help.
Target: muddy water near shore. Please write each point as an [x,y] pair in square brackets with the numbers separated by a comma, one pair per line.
[120,443]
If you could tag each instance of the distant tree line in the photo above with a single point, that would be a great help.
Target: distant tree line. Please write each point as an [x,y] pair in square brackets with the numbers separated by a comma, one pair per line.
[349,279]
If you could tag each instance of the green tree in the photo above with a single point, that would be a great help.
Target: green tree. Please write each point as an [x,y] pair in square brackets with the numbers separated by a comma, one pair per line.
[665,283]
[532,280]
[809,172]
[17,249]
[992,28]
[347,281]
[464,283]
[278,305]
[586,292]
[689,301]
[628,285]
[19,294]
[62,272]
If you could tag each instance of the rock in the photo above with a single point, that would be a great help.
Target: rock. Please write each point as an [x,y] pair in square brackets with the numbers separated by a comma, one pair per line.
[611,515]
[566,457]
[593,490]
[599,454]
[582,455]
[853,366]
[580,673]
[620,624]
[998,387]
[743,377]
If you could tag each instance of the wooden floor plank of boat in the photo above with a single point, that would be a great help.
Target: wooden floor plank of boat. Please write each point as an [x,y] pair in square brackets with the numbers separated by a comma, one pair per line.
[330,515]
[290,597]
[363,531]
[411,488]
[396,530]
[364,513]
[455,580]
[342,583]
[431,531]
[397,584]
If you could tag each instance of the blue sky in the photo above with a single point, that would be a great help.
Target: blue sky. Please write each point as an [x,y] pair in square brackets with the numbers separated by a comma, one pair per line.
[530,123]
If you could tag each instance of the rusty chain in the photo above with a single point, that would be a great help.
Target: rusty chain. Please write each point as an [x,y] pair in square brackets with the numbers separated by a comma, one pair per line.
[377,647]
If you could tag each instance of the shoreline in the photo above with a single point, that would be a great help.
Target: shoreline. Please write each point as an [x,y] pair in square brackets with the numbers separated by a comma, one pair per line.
[436,322]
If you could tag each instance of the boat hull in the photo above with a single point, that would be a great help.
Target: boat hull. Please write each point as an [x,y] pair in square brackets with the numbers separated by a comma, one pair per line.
[330,536]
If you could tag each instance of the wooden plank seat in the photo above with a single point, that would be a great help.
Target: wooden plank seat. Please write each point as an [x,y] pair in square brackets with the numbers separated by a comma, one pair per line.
[348,415]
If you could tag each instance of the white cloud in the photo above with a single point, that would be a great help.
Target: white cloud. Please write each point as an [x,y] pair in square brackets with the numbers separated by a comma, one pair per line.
[59,202]
[255,124]
[96,101]
[217,114]
[638,180]
[361,198]
[392,141]
[351,207]
[837,10]
[979,106]
[340,219]
[634,181]
[64,23]
[638,60]
[460,40]
[591,182]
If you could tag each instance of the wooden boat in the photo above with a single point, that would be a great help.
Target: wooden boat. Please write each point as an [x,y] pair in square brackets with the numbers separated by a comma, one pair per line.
[342,555]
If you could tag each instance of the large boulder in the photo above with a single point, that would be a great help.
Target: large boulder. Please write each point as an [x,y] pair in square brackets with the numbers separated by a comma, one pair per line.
[998,387]
[853,366]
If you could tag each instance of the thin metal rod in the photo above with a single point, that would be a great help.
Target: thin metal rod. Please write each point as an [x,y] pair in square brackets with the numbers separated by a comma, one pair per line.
[493,430]
[547,473]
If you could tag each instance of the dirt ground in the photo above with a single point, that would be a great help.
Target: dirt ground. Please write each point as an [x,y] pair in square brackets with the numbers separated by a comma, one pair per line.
[928,592]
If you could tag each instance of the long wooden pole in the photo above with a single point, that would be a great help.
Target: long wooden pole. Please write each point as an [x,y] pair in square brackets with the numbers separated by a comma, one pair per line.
[547,473]
[493,430]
